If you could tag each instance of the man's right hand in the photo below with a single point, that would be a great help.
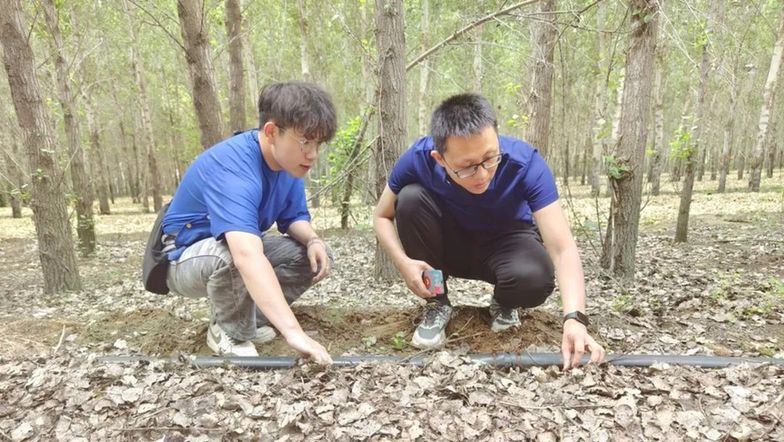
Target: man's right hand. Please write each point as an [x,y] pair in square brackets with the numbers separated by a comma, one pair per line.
[411,271]
[309,348]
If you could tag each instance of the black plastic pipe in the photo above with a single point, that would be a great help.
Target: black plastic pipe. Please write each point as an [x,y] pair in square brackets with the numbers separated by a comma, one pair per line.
[498,360]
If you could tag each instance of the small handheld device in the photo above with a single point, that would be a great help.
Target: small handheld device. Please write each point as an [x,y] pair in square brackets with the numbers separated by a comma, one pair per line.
[434,281]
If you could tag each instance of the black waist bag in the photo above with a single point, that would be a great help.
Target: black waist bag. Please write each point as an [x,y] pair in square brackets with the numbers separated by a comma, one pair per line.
[156,261]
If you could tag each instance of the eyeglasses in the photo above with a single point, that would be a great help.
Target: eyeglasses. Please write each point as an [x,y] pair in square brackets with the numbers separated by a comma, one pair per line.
[468,172]
[306,146]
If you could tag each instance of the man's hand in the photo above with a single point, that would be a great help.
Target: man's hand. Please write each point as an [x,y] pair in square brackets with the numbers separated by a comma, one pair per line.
[319,261]
[576,341]
[309,348]
[411,271]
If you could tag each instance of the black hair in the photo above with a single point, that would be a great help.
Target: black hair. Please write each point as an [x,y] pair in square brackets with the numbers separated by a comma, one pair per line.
[298,105]
[461,116]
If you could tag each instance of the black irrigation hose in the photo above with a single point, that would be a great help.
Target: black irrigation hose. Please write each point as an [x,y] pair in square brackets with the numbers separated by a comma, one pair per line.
[497,360]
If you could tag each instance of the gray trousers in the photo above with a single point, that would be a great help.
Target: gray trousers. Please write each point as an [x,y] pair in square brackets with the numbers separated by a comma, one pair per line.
[206,268]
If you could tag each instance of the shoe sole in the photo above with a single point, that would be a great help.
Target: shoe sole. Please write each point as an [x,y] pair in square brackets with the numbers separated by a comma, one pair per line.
[426,344]
[497,328]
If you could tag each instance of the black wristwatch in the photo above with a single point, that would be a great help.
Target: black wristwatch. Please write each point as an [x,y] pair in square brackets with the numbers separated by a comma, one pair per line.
[578,316]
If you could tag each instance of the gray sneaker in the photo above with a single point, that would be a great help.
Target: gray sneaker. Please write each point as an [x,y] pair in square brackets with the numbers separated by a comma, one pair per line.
[502,318]
[431,332]
[264,334]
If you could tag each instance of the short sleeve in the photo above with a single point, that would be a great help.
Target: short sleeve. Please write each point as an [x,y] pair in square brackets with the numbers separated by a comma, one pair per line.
[404,171]
[540,188]
[296,209]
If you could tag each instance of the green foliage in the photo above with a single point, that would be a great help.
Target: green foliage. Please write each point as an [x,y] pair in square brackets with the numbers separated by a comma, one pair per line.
[616,168]
[622,303]
[771,299]
[726,282]
[340,154]
[399,341]
[681,146]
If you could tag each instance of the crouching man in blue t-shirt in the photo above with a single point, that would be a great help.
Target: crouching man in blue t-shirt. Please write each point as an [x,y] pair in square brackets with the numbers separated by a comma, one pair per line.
[482,206]
[230,195]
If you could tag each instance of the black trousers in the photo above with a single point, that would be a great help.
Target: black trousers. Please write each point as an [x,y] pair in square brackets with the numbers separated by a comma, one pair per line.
[514,260]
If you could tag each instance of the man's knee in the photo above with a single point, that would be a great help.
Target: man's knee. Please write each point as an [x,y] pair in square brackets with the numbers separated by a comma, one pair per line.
[524,286]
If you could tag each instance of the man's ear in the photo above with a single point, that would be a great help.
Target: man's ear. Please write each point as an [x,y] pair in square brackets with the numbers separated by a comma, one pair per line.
[437,156]
[270,129]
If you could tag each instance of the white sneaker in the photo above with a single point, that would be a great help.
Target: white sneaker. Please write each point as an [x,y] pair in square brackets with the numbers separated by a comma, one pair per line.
[264,334]
[223,344]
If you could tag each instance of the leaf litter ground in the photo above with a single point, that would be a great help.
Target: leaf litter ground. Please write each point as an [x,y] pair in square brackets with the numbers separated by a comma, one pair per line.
[722,293]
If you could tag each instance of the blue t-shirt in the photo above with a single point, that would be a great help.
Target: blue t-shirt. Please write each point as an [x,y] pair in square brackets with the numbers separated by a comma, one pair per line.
[522,184]
[230,187]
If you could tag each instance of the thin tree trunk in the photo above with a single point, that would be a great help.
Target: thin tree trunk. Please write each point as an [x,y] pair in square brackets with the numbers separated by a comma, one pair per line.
[50,211]
[237,119]
[729,132]
[152,177]
[600,102]
[391,46]
[764,115]
[99,169]
[627,184]
[14,165]
[424,71]
[541,97]
[195,36]
[85,225]
[478,65]
[682,225]
[659,149]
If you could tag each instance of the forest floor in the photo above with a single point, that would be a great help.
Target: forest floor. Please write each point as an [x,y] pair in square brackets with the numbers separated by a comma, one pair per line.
[721,293]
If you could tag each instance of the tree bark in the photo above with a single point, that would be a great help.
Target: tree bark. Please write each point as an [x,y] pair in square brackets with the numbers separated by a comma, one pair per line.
[152,177]
[50,211]
[540,99]
[424,71]
[697,147]
[659,148]
[391,46]
[85,225]
[195,37]
[237,119]
[600,131]
[755,175]
[621,242]
[100,171]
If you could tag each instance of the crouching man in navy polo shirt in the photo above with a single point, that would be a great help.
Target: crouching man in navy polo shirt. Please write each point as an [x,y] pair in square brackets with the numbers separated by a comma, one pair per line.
[482,206]
[230,195]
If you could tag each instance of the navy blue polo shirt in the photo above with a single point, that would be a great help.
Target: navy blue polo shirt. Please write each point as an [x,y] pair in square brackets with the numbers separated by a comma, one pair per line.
[522,184]
[230,187]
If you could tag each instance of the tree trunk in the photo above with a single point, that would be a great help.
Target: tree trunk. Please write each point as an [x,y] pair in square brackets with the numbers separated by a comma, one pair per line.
[14,165]
[391,46]
[729,132]
[195,36]
[771,138]
[424,72]
[659,148]
[304,31]
[541,97]
[152,177]
[478,65]
[755,175]
[695,155]
[627,181]
[85,225]
[100,171]
[600,131]
[50,210]
[237,119]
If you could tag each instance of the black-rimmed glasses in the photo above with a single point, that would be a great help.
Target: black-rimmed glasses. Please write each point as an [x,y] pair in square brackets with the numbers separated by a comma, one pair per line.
[468,172]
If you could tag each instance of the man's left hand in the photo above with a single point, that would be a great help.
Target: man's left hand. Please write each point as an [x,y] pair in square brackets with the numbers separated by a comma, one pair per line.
[319,261]
[576,341]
